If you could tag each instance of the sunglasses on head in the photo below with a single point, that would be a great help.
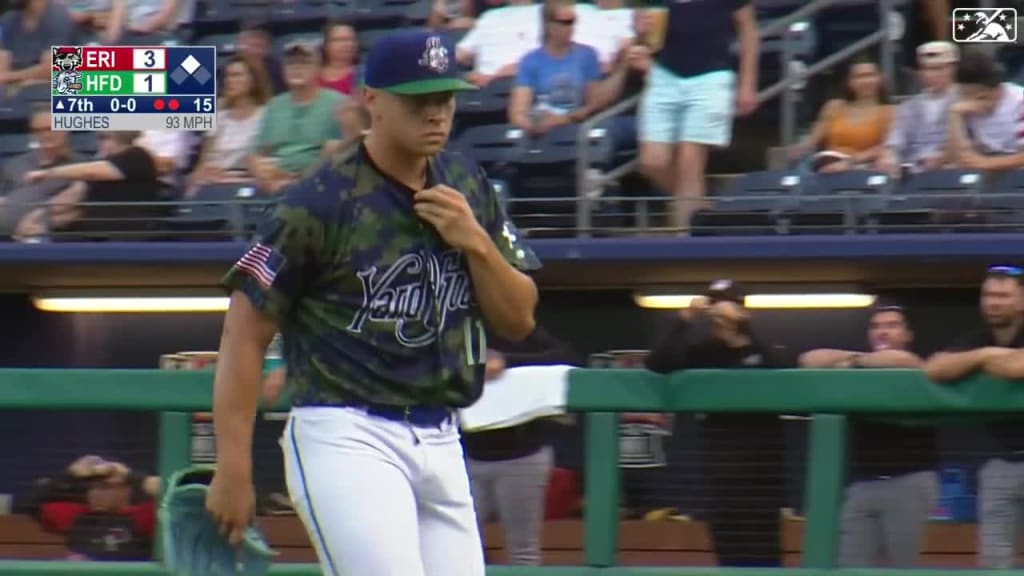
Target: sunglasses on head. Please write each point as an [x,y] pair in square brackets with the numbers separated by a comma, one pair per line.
[1012,271]
[564,21]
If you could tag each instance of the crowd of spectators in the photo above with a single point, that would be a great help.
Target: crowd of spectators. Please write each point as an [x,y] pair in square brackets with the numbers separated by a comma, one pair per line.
[282,109]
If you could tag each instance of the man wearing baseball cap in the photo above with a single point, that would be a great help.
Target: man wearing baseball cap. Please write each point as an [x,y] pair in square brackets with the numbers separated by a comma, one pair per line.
[743,463]
[380,271]
[918,133]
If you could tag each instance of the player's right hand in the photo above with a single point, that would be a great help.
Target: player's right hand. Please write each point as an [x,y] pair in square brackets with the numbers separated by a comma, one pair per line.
[231,501]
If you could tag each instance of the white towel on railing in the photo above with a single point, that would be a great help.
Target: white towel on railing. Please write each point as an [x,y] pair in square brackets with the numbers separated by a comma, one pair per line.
[517,396]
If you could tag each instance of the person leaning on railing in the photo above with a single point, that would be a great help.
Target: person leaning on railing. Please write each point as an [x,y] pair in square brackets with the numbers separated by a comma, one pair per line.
[995,348]
[743,462]
[126,175]
[893,486]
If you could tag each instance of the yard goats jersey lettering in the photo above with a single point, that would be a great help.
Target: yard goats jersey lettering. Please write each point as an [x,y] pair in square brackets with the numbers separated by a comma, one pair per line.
[373,306]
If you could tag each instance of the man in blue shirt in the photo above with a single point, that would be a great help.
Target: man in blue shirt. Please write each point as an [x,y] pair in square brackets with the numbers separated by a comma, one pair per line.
[692,93]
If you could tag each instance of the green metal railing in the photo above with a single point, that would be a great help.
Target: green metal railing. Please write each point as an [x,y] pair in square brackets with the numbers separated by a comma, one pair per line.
[827,395]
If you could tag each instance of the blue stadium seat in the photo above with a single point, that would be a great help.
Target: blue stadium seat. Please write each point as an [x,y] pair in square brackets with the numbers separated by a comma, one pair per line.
[494,147]
[929,201]
[489,105]
[226,44]
[838,201]
[1001,204]
[213,13]
[393,12]
[215,210]
[84,143]
[34,93]
[753,203]
[13,144]
[13,112]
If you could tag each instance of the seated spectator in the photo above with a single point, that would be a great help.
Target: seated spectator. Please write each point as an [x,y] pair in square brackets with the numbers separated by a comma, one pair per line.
[300,126]
[498,41]
[145,21]
[341,51]
[987,125]
[48,149]
[27,34]
[170,152]
[558,83]
[126,174]
[226,150]
[850,130]
[918,132]
[105,511]
[607,27]
[90,15]
[254,41]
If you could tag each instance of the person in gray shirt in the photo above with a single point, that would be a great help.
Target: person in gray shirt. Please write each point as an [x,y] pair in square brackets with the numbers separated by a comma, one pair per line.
[918,133]
[48,149]
[27,33]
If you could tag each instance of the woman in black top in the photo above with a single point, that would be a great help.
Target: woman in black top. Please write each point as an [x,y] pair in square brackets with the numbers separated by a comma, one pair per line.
[509,467]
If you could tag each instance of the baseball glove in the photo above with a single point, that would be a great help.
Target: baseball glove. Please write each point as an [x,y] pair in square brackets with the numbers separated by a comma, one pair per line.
[193,544]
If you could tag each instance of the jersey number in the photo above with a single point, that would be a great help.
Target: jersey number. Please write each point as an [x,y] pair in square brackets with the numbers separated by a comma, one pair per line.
[476,342]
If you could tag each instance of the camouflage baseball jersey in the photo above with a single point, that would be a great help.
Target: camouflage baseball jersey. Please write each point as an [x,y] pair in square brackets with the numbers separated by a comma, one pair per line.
[372,305]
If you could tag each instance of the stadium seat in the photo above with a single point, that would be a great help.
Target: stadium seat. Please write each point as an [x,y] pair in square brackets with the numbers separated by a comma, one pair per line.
[753,203]
[84,143]
[544,178]
[391,12]
[836,202]
[1001,204]
[214,13]
[13,113]
[489,105]
[215,210]
[13,144]
[225,43]
[494,147]
[925,201]
[34,93]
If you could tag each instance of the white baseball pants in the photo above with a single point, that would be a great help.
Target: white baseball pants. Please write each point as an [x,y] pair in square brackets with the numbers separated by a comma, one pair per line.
[380,497]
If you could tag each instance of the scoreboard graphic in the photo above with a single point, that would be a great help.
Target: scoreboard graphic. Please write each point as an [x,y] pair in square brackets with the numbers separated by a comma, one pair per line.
[118,88]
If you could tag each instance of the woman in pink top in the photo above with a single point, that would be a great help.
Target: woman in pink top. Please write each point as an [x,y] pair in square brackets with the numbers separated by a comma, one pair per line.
[341,53]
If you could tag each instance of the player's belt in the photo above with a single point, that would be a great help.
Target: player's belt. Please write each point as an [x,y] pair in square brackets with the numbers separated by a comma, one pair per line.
[420,416]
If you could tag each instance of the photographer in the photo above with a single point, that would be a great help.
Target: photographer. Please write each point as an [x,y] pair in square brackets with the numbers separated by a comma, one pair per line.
[743,464]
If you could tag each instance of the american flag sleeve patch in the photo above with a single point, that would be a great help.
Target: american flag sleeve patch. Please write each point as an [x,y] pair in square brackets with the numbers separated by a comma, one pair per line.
[262,262]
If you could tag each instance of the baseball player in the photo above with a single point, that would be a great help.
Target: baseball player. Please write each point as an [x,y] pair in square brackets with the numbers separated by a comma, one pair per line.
[380,270]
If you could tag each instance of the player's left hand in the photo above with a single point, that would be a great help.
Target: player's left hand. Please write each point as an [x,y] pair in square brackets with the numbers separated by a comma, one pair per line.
[447,210]
[495,364]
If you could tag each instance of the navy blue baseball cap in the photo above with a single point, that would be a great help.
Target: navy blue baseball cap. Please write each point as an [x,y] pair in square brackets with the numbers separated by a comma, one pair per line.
[412,63]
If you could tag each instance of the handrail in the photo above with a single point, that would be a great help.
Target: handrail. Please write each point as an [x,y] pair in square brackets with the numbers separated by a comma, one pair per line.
[820,66]
[583,158]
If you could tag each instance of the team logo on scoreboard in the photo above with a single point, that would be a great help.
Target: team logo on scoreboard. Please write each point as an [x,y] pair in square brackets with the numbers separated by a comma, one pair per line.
[67,80]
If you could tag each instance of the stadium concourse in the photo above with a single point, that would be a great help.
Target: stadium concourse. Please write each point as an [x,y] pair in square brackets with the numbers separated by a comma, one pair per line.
[840,234]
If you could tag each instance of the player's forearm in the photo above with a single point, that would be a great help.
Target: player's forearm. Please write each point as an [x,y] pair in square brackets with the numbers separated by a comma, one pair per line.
[507,297]
[236,388]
